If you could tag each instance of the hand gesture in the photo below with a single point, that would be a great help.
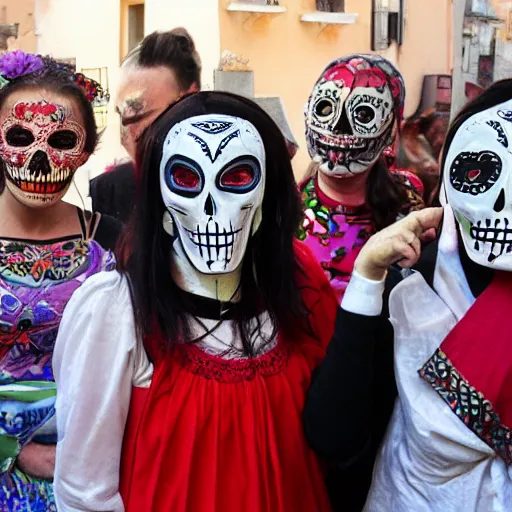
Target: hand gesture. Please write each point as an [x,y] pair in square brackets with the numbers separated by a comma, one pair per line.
[399,243]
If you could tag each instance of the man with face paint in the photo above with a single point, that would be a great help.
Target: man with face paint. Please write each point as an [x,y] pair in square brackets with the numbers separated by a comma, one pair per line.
[48,248]
[162,68]
[449,442]
[233,313]
[352,116]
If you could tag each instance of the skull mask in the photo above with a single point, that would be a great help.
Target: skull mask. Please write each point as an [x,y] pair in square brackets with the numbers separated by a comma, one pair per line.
[212,178]
[351,113]
[478,184]
[41,150]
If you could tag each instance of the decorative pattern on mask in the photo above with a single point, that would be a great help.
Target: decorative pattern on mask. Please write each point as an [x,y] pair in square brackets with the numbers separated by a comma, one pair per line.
[478,184]
[41,150]
[212,178]
[351,114]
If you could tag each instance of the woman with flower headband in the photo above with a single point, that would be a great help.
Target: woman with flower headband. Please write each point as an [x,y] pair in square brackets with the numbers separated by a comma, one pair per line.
[47,250]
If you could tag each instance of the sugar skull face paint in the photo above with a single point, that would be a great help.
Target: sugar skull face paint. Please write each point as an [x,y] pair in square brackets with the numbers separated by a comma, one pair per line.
[351,114]
[41,149]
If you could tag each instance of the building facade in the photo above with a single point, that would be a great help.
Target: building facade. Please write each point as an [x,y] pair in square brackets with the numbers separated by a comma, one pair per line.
[287,43]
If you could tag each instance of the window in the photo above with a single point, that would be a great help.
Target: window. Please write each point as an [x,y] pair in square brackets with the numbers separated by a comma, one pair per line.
[388,23]
[132,25]
[330,5]
[135,25]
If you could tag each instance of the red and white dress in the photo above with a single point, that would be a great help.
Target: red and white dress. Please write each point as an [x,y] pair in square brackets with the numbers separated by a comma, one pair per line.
[207,430]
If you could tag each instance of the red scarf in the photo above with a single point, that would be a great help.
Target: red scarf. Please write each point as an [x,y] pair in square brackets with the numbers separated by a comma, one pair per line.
[472,369]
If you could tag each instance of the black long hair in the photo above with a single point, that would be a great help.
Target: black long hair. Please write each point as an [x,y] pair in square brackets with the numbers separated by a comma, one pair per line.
[61,79]
[496,94]
[269,268]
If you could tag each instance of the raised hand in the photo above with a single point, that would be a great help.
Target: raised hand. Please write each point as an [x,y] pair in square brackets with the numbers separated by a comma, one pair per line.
[399,243]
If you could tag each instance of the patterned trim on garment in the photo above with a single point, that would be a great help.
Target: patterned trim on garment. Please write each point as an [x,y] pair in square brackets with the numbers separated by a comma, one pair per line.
[235,370]
[468,404]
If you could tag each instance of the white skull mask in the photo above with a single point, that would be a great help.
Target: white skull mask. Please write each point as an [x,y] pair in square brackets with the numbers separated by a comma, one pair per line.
[478,183]
[212,178]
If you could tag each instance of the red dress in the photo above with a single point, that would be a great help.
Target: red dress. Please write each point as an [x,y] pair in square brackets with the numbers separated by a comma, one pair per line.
[217,435]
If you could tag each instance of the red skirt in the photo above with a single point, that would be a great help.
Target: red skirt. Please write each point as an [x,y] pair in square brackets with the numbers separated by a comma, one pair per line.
[213,435]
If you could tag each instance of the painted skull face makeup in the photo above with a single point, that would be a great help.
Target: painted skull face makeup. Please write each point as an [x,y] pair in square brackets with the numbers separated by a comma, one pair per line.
[41,150]
[478,183]
[212,178]
[351,113]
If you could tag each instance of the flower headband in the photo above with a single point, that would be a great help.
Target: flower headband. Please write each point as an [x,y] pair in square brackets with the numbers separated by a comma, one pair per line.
[16,64]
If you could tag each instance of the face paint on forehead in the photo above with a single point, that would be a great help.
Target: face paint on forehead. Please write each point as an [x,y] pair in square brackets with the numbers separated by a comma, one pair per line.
[478,184]
[42,147]
[212,178]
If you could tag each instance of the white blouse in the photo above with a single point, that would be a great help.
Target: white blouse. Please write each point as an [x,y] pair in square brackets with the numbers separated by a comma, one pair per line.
[96,361]
[429,460]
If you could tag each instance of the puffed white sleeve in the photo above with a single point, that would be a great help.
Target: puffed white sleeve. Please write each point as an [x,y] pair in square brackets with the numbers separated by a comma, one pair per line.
[96,360]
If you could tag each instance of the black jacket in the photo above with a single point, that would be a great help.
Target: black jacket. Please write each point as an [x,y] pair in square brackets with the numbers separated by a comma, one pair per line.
[113,192]
[352,395]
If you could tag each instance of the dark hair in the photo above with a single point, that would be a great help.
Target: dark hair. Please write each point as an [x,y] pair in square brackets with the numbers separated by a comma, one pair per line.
[496,94]
[174,50]
[386,197]
[269,269]
[59,78]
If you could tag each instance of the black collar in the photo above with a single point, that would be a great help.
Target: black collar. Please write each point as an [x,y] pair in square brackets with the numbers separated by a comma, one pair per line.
[204,307]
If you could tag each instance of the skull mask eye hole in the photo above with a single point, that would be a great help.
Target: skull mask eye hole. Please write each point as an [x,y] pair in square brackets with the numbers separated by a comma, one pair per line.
[19,137]
[475,173]
[364,114]
[184,178]
[324,109]
[63,140]
[240,177]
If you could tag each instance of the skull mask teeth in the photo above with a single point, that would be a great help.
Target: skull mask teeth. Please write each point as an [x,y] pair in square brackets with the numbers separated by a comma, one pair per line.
[350,114]
[478,186]
[41,150]
[212,178]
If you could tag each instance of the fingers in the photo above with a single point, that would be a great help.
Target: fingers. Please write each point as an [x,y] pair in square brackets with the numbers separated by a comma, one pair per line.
[426,219]
[429,235]
[406,254]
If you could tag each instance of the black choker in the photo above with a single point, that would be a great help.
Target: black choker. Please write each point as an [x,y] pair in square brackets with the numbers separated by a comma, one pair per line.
[204,307]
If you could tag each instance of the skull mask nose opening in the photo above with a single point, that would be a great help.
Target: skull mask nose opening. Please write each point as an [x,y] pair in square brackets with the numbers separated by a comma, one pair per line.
[499,205]
[209,206]
[343,125]
[39,164]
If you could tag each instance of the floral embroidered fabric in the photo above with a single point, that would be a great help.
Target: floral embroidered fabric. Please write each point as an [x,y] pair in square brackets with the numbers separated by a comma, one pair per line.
[36,281]
[468,404]
[336,233]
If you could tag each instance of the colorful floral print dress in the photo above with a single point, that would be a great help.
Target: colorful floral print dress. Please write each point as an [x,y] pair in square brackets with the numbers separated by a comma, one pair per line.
[37,278]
